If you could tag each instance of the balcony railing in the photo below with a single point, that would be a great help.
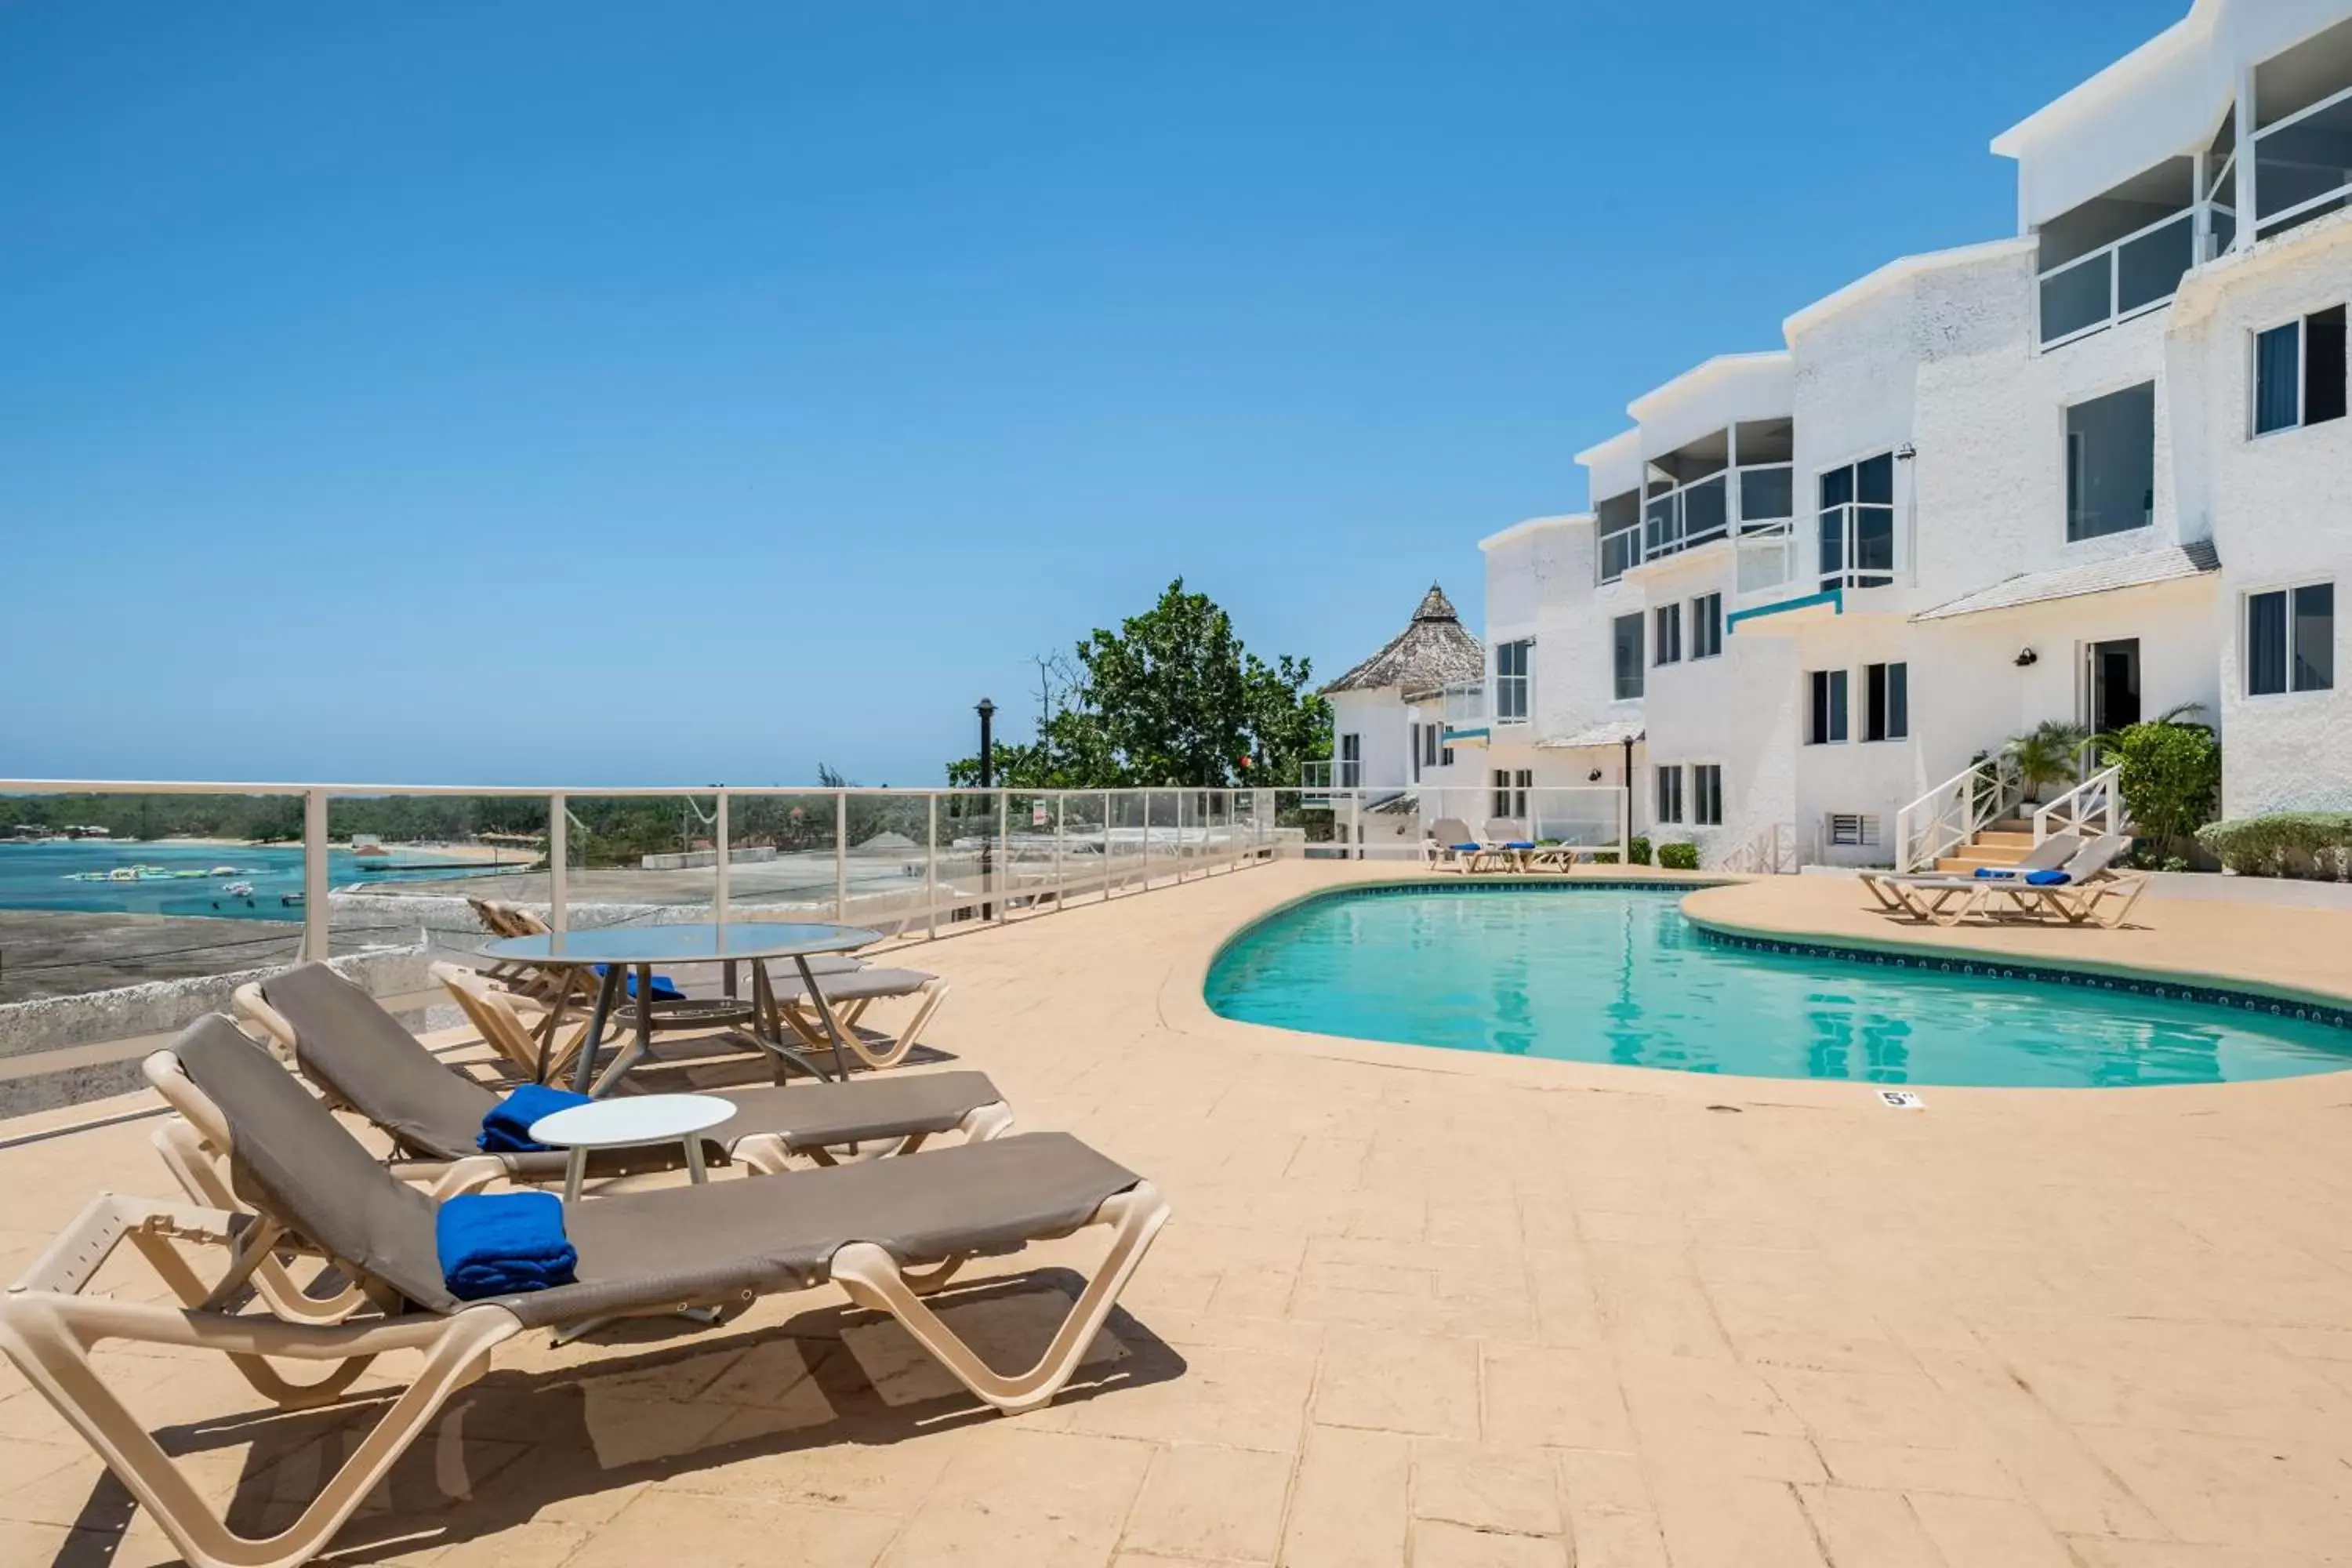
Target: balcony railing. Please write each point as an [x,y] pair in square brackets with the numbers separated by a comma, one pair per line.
[1466,705]
[2116,282]
[1860,546]
[1729,502]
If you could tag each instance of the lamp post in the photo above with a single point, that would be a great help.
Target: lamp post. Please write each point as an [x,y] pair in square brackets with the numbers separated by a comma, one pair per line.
[987,711]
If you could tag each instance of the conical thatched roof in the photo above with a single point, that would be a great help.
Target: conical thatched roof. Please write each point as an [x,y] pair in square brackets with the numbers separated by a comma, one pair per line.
[1430,651]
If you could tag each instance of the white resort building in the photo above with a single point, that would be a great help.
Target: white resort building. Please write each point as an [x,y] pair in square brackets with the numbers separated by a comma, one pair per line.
[2088,474]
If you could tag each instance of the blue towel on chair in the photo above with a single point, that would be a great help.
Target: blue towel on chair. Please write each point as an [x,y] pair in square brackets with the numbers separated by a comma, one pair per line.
[2047,878]
[665,989]
[1520,844]
[506,1130]
[1464,848]
[496,1243]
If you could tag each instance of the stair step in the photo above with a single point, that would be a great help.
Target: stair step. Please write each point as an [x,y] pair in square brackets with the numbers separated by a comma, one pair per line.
[2006,838]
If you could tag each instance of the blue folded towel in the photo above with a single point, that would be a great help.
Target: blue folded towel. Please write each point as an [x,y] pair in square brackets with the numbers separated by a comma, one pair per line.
[1520,844]
[506,1130]
[2048,878]
[1464,848]
[665,990]
[496,1243]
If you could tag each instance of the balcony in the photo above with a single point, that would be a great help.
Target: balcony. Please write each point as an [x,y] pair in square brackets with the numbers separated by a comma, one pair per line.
[1466,722]
[2118,282]
[1730,483]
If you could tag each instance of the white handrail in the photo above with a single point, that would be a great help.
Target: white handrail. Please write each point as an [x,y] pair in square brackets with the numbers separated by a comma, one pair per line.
[1952,813]
[2092,808]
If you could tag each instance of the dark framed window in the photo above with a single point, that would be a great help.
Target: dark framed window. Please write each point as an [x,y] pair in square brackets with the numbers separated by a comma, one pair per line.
[1670,794]
[1707,626]
[1512,664]
[2111,463]
[2299,372]
[1669,639]
[1625,649]
[1885,702]
[2291,640]
[1511,791]
[1706,794]
[1825,715]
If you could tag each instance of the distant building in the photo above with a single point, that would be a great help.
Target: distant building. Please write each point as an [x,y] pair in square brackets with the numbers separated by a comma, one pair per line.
[1389,713]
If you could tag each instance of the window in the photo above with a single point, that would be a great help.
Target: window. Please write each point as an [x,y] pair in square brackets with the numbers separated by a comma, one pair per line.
[1351,762]
[2111,463]
[1512,662]
[1429,751]
[1617,523]
[1827,711]
[1670,795]
[2291,640]
[1626,635]
[1707,626]
[2299,372]
[1857,524]
[1413,752]
[1670,633]
[1885,702]
[1851,829]
[1511,792]
[1706,794]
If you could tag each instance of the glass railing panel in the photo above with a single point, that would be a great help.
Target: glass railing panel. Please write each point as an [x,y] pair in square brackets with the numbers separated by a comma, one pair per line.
[883,875]
[2305,161]
[402,869]
[2149,269]
[1873,547]
[1766,494]
[1767,560]
[2077,298]
[1707,511]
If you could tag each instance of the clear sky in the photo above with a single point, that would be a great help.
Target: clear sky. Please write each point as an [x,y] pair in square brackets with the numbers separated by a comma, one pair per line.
[636,393]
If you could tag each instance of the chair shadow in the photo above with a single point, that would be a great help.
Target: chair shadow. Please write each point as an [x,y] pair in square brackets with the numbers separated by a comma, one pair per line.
[516,1442]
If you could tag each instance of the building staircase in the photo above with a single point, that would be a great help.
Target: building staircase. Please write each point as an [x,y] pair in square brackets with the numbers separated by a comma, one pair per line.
[2001,843]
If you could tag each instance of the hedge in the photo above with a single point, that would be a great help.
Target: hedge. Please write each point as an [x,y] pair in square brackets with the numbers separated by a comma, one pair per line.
[1637,850]
[2313,844]
[1678,856]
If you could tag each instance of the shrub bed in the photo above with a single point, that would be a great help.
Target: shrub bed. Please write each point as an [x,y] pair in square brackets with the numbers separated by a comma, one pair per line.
[1678,856]
[2313,844]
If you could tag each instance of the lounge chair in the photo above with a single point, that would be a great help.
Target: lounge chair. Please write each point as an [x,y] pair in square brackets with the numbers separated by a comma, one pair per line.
[849,992]
[1892,889]
[1450,842]
[357,1054]
[2089,886]
[1505,844]
[314,1189]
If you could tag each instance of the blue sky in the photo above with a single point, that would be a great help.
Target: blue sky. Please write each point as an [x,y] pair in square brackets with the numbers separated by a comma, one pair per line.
[630,394]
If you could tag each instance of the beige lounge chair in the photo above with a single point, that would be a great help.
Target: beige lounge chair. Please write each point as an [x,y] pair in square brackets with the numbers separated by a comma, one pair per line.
[1450,842]
[2093,893]
[1895,889]
[359,1057]
[315,1190]
[1504,846]
[849,992]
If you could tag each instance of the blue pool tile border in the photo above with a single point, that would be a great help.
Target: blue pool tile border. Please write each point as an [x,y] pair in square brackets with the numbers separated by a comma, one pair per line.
[2009,969]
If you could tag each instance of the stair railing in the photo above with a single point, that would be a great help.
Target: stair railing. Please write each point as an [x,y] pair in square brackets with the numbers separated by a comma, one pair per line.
[2091,809]
[1954,811]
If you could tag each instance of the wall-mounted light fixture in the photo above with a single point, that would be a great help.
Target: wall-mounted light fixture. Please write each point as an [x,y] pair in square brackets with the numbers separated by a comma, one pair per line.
[1905,452]
[1592,777]
[2025,656]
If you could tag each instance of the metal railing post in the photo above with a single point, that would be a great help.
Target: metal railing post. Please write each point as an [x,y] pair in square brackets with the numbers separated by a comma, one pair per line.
[1355,825]
[718,865]
[841,856]
[1005,850]
[931,859]
[1110,851]
[1061,884]
[1179,836]
[318,928]
[559,862]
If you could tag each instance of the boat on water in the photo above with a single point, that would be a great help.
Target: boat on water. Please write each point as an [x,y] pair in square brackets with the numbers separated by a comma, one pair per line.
[237,889]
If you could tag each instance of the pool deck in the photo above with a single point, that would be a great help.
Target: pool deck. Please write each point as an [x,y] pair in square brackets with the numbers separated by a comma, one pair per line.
[1432,1306]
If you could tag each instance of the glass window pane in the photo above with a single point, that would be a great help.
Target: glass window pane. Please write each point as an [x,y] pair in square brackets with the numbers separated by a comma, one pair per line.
[2082,296]
[2265,643]
[1837,487]
[1874,480]
[1837,704]
[1705,511]
[1874,545]
[1898,701]
[2310,158]
[1627,651]
[2324,384]
[1874,702]
[2111,463]
[2149,267]
[1766,494]
[2278,378]
[2314,637]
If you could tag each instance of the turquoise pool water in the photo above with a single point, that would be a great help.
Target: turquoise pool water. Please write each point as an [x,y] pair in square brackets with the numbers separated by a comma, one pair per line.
[1618,975]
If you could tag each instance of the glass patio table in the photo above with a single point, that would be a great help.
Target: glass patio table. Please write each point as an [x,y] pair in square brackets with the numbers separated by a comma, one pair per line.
[620,950]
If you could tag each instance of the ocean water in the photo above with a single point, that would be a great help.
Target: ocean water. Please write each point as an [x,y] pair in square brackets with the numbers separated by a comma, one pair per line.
[1618,975]
[44,876]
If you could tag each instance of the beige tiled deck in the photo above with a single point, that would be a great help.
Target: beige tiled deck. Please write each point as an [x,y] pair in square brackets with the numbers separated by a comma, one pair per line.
[1437,1308]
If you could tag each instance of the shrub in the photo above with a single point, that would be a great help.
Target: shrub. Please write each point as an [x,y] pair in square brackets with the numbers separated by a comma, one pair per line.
[1678,856]
[1604,857]
[1637,850]
[2045,754]
[2170,777]
[2289,844]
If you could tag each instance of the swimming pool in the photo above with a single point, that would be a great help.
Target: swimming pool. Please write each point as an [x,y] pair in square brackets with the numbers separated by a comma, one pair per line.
[1616,974]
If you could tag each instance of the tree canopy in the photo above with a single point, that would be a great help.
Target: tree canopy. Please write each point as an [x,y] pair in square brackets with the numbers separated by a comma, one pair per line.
[1171,698]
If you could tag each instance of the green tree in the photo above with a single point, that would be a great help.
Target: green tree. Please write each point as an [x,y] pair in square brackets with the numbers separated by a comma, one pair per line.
[1171,698]
[2170,774]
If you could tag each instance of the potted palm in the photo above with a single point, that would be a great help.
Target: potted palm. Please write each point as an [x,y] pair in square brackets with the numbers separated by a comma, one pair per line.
[2045,755]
